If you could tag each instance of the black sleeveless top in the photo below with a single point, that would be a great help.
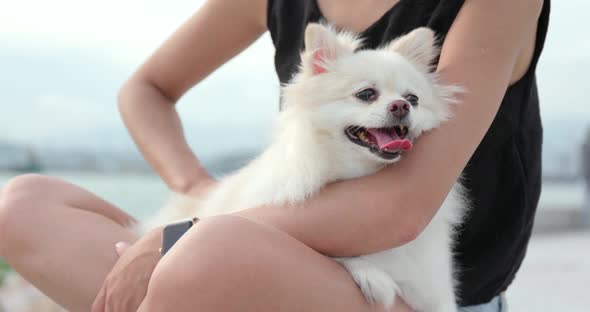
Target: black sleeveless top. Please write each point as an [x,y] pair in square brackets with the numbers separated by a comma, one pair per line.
[504,174]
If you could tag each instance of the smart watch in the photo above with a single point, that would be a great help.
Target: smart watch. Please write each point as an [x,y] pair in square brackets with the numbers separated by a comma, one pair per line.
[172,233]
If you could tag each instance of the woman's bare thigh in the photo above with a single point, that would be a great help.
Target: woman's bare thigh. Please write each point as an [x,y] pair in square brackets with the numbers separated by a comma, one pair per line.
[60,237]
[233,264]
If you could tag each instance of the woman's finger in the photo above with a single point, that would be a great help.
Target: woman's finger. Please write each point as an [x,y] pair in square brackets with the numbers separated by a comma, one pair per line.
[99,302]
[110,303]
[121,247]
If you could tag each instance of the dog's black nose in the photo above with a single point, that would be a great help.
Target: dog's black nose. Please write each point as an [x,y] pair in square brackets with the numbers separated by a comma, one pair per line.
[399,108]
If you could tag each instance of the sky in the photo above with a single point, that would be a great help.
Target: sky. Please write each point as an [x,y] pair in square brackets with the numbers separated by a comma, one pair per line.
[62,62]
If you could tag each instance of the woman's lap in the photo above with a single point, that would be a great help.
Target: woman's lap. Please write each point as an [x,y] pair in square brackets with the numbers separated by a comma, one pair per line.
[262,266]
[66,249]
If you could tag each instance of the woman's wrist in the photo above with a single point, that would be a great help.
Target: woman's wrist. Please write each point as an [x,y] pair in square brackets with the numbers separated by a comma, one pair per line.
[200,186]
[154,236]
[189,181]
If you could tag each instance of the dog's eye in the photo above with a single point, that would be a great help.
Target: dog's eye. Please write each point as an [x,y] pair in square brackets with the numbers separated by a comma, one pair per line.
[367,95]
[412,98]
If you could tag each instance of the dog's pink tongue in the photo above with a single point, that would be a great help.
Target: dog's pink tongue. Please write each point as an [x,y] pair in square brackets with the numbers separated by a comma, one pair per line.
[387,141]
[404,144]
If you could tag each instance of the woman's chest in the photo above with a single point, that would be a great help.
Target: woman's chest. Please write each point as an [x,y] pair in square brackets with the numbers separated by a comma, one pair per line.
[354,15]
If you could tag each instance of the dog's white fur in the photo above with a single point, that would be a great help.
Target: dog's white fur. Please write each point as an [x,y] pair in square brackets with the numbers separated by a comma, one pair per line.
[310,150]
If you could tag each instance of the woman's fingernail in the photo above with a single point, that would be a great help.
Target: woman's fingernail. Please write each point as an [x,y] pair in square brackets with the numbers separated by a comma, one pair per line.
[120,246]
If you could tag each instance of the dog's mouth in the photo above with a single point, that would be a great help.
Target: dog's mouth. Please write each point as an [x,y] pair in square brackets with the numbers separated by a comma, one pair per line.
[387,143]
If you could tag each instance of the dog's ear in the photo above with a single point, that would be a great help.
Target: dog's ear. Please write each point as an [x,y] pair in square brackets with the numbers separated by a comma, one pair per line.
[418,46]
[323,45]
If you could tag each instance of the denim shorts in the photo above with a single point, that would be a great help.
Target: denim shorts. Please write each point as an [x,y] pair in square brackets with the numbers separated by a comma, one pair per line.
[498,304]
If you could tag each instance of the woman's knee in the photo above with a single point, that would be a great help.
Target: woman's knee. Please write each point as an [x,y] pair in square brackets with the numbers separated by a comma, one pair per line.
[18,200]
[221,251]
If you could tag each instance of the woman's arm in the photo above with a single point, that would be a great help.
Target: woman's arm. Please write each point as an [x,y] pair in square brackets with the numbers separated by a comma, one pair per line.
[487,48]
[217,32]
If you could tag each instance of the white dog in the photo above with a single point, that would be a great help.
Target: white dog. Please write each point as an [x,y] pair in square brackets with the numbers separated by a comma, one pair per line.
[347,114]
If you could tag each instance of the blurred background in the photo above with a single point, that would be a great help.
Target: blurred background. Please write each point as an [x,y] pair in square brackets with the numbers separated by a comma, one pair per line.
[62,62]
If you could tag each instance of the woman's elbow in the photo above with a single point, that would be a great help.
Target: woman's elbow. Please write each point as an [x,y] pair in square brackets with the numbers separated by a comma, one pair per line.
[404,230]
[410,232]
[127,92]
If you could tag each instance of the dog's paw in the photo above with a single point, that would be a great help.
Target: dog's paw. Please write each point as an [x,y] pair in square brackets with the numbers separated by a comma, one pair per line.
[375,284]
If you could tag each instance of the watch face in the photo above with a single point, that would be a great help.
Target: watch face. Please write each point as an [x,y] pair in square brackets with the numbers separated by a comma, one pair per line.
[172,233]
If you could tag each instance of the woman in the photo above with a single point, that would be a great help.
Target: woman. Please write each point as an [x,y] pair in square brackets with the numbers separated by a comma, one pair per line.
[61,237]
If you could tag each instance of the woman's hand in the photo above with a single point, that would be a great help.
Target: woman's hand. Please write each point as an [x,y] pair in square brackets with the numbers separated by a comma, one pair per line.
[126,285]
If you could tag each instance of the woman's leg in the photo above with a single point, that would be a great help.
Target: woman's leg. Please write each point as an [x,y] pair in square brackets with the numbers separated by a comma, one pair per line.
[60,237]
[228,263]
